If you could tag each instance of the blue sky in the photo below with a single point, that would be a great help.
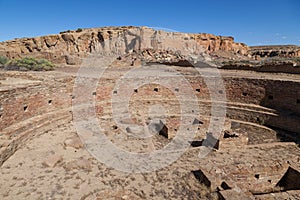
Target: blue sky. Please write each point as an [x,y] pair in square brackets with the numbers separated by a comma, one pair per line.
[255,22]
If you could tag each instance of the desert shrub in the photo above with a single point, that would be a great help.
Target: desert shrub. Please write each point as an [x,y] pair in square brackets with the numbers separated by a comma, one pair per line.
[229,62]
[297,60]
[68,31]
[79,30]
[28,63]
[3,60]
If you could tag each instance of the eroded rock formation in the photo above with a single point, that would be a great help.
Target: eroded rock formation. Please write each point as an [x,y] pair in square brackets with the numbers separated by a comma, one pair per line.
[289,51]
[226,43]
[71,46]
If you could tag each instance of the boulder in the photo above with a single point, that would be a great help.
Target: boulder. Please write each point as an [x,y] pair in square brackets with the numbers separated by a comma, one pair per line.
[72,60]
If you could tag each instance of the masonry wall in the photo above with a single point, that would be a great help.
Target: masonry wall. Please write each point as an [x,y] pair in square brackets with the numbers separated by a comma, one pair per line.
[21,103]
[280,99]
[262,101]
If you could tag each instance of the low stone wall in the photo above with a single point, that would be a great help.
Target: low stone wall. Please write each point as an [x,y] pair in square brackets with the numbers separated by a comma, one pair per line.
[23,101]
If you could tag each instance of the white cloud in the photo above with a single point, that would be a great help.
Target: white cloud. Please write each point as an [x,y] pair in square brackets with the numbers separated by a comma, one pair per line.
[277,34]
[284,37]
[263,43]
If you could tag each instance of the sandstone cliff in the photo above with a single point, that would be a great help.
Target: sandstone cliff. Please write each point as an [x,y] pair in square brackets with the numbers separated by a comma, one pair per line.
[214,43]
[71,46]
[287,51]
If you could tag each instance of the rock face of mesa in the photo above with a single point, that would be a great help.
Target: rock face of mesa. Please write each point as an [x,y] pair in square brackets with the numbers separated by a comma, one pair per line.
[213,43]
[71,46]
[288,51]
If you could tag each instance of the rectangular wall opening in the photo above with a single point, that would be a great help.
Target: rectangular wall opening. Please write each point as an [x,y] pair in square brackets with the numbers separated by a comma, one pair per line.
[270,97]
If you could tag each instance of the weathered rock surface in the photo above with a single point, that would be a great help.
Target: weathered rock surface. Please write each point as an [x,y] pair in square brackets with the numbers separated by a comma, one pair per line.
[70,47]
[122,195]
[52,160]
[82,163]
[74,142]
[214,43]
[290,51]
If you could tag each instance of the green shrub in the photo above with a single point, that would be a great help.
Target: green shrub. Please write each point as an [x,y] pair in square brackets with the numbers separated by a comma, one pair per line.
[68,31]
[79,30]
[297,60]
[28,63]
[3,60]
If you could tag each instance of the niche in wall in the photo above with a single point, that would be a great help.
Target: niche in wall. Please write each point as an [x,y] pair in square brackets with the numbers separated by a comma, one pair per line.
[245,94]
[270,97]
